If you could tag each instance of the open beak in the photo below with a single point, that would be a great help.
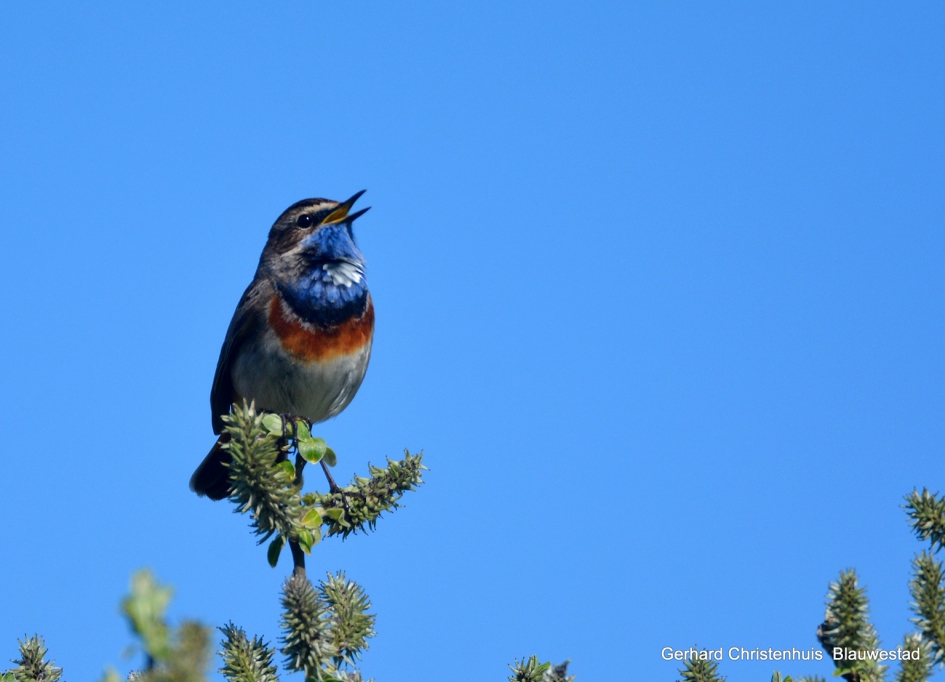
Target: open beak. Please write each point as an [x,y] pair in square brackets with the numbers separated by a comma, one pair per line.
[340,214]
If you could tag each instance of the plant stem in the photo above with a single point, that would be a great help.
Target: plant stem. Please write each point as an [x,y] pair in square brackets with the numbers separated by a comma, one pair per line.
[299,465]
[298,556]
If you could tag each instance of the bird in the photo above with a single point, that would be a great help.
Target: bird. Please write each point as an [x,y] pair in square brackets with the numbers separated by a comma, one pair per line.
[300,339]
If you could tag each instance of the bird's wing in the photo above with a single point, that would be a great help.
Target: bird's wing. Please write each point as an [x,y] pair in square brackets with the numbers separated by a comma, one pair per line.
[248,320]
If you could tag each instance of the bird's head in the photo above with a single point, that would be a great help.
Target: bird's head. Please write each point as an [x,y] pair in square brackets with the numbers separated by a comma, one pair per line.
[310,235]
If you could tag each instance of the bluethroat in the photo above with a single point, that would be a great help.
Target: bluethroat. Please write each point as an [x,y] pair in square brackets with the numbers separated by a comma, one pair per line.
[300,339]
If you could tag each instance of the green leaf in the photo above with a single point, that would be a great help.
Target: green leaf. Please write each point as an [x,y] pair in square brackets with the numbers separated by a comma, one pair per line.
[287,467]
[306,540]
[338,515]
[273,424]
[313,519]
[331,459]
[275,548]
[301,430]
[312,449]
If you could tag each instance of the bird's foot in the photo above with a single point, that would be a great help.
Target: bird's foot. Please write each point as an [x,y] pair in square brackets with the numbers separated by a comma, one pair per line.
[292,419]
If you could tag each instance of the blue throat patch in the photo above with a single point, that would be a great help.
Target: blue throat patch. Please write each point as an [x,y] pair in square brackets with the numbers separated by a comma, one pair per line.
[317,297]
[319,301]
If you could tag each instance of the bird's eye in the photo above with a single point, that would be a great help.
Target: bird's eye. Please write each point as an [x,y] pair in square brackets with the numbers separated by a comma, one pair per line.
[303,220]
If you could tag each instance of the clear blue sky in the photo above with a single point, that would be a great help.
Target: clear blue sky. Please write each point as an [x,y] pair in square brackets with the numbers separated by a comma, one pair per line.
[659,292]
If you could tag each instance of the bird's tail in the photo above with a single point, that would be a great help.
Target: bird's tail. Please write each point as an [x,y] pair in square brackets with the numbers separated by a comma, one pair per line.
[212,477]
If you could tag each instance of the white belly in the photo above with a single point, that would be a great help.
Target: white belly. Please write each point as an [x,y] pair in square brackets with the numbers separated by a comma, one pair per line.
[279,382]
